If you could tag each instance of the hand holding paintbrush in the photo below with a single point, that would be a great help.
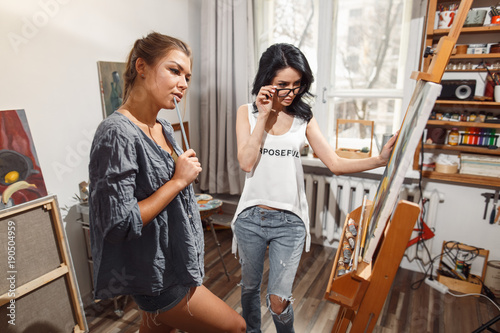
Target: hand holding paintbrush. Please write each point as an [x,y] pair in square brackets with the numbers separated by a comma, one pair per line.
[184,137]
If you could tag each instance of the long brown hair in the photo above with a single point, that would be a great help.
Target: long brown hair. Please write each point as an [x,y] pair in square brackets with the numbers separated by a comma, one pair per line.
[150,48]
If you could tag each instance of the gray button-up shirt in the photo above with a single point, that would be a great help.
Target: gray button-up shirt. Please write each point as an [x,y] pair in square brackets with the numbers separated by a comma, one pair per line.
[125,167]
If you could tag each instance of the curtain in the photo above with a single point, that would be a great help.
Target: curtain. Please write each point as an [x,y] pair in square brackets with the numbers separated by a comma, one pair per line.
[227,70]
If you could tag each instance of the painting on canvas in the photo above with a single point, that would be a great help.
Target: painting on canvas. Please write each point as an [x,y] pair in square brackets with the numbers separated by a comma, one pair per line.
[21,178]
[419,109]
[111,84]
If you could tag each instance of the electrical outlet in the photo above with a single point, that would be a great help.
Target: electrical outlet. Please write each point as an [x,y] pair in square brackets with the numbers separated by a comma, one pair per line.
[437,285]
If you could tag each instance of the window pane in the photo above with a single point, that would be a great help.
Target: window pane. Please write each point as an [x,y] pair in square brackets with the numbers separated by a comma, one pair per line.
[368,35]
[288,21]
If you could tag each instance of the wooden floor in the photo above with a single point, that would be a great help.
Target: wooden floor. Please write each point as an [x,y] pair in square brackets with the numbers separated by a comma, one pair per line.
[407,308]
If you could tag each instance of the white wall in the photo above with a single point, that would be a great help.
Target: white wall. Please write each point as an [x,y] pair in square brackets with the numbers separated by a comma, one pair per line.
[48,60]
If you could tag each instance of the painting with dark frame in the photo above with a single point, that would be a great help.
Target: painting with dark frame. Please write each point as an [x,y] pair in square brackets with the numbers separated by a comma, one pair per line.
[111,85]
[21,178]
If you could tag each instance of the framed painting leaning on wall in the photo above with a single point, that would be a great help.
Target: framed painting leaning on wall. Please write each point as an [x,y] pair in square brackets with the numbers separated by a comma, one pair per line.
[111,85]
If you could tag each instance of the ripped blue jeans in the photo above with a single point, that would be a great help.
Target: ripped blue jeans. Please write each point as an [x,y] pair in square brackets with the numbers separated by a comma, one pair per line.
[284,233]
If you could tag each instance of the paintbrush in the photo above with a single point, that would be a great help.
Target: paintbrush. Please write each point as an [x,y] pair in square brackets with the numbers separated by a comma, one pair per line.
[184,137]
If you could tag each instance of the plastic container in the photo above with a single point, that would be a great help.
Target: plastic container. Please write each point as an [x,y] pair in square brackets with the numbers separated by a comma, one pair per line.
[477,48]
[492,279]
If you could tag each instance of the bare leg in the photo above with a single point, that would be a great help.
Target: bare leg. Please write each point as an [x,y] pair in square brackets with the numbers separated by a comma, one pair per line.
[201,311]
[277,304]
[282,313]
[149,324]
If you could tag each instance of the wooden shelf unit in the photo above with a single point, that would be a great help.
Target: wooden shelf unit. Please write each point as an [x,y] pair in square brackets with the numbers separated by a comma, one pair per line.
[470,30]
[462,178]
[489,32]
[472,104]
[479,70]
[476,56]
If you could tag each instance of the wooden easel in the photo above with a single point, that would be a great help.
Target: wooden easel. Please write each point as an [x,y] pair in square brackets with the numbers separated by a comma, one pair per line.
[361,293]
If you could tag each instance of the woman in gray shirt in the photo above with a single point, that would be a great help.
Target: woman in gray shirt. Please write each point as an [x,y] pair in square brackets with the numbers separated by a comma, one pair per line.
[146,233]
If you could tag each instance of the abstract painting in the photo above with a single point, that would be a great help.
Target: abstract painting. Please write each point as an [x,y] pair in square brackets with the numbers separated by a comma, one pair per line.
[419,109]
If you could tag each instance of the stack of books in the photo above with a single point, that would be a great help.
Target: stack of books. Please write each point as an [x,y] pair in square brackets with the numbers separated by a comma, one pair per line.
[481,165]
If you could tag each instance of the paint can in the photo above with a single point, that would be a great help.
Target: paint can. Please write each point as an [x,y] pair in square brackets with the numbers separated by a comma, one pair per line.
[492,278]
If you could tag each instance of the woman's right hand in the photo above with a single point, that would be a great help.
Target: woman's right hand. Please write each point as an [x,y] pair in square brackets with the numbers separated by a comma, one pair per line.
[187,167]
[265,99]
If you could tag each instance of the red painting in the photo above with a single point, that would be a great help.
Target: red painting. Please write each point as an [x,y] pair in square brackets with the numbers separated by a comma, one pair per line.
[21,177]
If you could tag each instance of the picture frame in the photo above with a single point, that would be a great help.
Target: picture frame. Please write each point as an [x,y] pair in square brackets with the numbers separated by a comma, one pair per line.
[111,85]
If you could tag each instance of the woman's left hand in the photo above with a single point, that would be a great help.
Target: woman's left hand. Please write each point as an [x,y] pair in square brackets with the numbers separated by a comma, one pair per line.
[387,148]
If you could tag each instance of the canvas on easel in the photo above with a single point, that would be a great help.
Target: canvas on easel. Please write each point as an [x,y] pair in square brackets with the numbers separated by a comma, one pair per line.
[21,178]
[411,130]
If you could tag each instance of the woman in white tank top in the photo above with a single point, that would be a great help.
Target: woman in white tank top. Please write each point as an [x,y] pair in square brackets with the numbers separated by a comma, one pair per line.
[273,211]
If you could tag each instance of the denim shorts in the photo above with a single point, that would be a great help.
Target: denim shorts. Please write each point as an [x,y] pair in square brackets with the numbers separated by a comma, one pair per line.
[166,300]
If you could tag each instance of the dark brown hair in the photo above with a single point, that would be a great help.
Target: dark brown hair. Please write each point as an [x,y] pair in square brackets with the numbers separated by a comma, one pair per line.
[278,57]
[150,48]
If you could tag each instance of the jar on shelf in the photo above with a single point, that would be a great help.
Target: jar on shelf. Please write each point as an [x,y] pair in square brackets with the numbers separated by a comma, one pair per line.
[464,116]
[453,137]
[482,116]
[472,117]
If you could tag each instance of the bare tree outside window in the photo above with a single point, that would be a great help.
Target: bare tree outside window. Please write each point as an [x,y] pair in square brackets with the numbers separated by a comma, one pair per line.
[289,21]
[367,52]
[294,22]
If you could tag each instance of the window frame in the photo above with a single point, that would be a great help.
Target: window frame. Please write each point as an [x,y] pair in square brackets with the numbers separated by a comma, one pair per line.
[325,92]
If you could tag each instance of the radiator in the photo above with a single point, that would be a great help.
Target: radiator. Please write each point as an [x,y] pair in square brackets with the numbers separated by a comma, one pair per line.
[331,198]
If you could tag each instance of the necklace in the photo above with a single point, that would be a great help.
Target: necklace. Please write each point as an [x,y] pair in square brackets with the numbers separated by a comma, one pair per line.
[151,134]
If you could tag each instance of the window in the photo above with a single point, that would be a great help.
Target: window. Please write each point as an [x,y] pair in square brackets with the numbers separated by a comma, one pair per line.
[360,53]
[288,21]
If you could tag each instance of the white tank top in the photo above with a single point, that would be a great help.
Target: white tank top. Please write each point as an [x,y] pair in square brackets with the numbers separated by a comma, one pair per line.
[277,179]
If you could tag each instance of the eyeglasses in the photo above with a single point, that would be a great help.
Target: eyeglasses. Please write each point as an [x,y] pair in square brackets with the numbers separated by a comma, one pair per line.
[286,92]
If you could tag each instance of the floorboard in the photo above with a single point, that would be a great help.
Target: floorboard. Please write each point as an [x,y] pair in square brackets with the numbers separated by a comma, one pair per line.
[407,308]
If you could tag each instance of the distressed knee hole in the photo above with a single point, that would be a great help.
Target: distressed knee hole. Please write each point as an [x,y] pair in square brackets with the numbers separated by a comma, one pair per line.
[278,304]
